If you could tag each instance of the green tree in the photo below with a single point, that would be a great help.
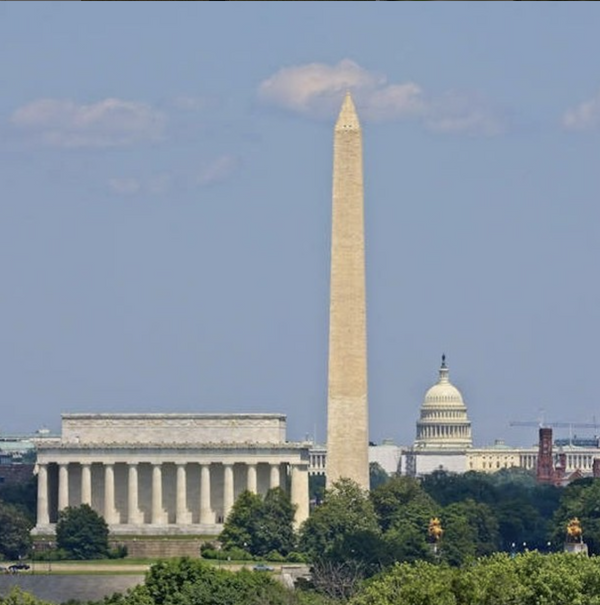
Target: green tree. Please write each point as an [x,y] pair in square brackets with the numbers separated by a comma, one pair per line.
[23,496]
[407,539]
[17,596]
[522,507]
[188,581]
[470,529]
[342,539]
[519,522]
[275,531]
[333,528]
[459,541]
[261,526]
[403,511]
[377,475]
[241,525]
[580,499]
[15,527]
[446,488]
[526,579]
[390,499]
[82,533]
[418,583]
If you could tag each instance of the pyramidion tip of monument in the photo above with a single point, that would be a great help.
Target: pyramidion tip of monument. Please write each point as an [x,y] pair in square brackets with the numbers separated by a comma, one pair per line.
[347,118]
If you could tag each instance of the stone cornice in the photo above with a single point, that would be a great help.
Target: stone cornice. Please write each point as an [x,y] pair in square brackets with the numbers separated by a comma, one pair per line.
[155,415]
[173,446]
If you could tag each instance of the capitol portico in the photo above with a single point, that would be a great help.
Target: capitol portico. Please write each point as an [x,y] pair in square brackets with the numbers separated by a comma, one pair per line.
[154,474]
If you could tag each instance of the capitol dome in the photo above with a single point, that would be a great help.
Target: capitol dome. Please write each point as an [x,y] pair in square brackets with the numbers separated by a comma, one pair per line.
[443,421]
[443,391]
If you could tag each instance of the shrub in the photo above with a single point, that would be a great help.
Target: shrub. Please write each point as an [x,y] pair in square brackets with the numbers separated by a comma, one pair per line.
[118,552]
[295,557]
[275,556]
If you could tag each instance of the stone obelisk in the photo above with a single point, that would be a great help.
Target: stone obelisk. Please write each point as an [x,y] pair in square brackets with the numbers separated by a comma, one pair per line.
[347,410]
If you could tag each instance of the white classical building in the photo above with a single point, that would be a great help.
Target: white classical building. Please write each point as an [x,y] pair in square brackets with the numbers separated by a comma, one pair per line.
[443,431]
[444,441]
[166,474]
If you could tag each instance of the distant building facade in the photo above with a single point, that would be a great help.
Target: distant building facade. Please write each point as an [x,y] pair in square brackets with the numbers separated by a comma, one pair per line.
[17,449]
[17,457]
[388,455]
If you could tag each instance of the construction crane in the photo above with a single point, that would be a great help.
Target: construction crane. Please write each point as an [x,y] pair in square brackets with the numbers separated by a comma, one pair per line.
[558,425]
[572,440]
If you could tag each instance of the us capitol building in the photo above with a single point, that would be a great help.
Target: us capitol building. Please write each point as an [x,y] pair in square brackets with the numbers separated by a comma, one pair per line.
[444,442]
[444,438]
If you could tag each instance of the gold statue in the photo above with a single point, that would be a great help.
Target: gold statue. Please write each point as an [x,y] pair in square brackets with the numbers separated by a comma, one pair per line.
[435,530]
[574,530]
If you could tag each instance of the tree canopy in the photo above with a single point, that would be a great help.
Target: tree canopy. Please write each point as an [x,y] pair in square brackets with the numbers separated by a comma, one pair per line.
[82,533]
[377,475]
[23,496]
[336,527]
[527,579]
[15,539]
[188,581]
[523,508]
[261,526]
[580,499]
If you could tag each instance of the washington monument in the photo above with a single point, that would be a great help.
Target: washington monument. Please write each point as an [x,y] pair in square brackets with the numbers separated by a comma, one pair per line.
[347,410]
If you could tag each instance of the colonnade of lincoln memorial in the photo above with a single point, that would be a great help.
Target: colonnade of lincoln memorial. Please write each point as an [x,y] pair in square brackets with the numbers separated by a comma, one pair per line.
[166,473]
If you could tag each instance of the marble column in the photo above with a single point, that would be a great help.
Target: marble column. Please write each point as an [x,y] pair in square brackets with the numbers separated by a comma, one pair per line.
[63,486]
[251,478]
[299,495]
[133,511]
[86,484]
[43,517]
[275,478]
[182,515]
[157,509]
[109,494]
[207,516]
[227,490]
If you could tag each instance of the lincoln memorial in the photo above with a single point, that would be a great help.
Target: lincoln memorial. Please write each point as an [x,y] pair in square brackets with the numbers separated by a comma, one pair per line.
[166,474]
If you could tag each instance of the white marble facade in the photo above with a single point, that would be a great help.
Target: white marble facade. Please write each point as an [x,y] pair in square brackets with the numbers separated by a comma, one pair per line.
[165,474]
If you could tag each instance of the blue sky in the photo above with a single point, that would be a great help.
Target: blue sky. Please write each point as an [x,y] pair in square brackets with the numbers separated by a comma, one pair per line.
[165,204]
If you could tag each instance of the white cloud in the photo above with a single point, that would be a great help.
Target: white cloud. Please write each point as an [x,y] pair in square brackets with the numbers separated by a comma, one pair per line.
[217,170]
[107,123]
[585,116]
[315,87]
[395,101]
[316,90]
